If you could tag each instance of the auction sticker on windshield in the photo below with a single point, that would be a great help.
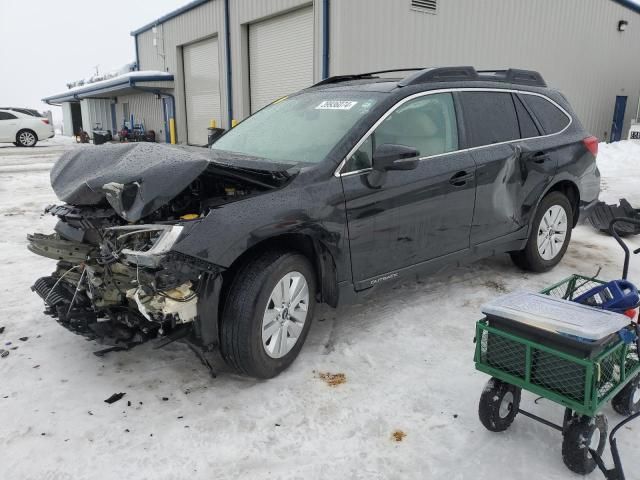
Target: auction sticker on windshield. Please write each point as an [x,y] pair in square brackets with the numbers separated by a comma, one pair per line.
[336,105]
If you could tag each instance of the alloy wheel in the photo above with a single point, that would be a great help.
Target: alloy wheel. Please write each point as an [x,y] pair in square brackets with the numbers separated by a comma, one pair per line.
[27,138]
[552,232]
[285,315]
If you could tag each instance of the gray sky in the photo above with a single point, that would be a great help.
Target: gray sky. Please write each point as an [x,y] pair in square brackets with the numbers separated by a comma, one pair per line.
[46,43]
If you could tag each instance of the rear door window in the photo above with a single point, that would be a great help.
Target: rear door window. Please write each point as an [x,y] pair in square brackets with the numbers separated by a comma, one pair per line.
[528,128]
[7,116]
[550,117]
[490,117]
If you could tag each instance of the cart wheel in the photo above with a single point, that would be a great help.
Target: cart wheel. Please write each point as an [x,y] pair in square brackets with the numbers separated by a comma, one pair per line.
[499,404]
[583,433]
[627,401]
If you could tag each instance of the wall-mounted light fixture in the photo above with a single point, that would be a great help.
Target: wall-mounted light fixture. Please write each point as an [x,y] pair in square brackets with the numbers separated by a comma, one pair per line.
[622,25]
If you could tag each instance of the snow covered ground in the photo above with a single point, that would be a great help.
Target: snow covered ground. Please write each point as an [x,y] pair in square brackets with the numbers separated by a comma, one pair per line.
[406,357]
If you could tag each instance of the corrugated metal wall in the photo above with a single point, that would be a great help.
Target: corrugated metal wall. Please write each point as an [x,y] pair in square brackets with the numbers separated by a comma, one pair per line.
[95,112]
[575,44]
[146,109]
[67,124]
[244,12]
[204,21]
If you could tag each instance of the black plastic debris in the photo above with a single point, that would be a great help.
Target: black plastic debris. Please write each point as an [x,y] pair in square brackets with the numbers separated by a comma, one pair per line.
[23,339]
[2,329]
[128,403]
[4,353]
[114,398]
[165,399]
[601,214]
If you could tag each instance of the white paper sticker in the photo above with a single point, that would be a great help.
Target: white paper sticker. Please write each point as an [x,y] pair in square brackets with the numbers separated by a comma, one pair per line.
[336,105]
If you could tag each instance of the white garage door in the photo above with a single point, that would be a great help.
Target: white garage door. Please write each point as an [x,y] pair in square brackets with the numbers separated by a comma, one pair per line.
[201,88]
[280,56]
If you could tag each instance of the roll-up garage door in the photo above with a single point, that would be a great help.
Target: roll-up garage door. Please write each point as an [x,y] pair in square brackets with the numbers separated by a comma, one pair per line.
[280,56]
[201,88]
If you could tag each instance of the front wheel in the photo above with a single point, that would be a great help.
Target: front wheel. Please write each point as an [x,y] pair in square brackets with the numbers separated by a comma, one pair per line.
[268,313]
[582,434]
[549,236]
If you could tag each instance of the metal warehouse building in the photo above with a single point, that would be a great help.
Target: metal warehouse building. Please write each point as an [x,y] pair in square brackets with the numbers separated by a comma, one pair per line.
[221,60]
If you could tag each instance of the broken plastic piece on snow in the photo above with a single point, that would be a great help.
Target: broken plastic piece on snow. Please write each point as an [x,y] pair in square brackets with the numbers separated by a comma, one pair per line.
[601,214]
[4,353]
[114,398]
[23,339]
[2,329]
[165,399]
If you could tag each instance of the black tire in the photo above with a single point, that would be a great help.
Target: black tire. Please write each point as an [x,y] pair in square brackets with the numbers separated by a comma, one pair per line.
[494,413]
[23,142]
[530,258]
[627,401]
[241,342]
[577,441]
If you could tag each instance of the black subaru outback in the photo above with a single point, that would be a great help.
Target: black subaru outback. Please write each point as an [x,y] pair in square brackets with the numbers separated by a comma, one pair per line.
[320,197]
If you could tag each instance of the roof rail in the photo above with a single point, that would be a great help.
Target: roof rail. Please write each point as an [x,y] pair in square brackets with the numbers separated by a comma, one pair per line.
[465,73]
[361,76]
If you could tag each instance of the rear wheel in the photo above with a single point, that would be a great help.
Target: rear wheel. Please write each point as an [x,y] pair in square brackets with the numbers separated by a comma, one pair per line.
[268,313]
[627,401]
[499,404]
[27,138]
[549,236]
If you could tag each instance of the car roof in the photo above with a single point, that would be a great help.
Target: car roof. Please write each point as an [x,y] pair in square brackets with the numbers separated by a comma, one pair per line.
[25,111]
[422,79]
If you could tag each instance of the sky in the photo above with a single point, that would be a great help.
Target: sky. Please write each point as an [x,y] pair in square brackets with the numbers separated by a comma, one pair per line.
[46,43]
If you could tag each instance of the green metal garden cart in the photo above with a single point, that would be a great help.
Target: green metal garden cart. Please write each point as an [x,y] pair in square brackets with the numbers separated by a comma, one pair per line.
[583,384]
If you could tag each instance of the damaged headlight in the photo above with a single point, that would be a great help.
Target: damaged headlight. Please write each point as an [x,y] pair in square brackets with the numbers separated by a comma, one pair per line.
[144,245]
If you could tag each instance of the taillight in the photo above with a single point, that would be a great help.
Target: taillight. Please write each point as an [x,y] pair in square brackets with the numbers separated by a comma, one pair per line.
[592,145]
[631,313]
[45,121]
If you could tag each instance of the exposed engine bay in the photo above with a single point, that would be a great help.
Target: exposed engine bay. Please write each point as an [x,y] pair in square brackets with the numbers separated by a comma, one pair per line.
[116,278]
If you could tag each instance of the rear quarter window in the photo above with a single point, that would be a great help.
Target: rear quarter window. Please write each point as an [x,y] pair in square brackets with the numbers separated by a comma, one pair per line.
[550,117]
[489,117]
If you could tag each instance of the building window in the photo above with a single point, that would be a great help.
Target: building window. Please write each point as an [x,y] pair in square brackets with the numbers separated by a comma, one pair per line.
[429,6]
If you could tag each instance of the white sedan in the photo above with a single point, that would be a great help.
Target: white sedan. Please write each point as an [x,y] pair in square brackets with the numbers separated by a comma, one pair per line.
[23,127]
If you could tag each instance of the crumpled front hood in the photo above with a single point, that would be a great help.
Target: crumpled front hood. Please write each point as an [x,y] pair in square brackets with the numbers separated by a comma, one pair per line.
[135,178]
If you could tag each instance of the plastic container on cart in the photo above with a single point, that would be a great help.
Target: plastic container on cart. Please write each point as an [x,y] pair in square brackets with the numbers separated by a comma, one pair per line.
[556,315]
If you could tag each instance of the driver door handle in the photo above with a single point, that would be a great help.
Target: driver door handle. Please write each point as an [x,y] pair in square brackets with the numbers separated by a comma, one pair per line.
[461,178]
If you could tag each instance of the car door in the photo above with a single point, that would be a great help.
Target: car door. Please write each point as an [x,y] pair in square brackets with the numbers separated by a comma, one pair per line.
[8,127]
[511,171]
[411,216]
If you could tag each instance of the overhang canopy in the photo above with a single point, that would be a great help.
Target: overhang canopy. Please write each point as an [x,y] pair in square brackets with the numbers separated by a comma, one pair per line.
[128,83]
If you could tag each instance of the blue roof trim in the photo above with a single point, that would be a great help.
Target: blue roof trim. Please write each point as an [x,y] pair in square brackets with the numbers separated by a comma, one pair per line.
[629,4]
[110,88]
[189,6]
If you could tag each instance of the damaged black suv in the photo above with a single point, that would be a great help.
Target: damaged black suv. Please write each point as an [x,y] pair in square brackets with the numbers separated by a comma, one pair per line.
[319,197]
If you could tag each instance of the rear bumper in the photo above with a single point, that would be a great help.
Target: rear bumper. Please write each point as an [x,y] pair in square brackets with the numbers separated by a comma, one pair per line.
[586,207]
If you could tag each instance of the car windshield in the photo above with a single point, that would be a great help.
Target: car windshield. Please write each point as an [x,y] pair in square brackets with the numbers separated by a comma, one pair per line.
[300,129]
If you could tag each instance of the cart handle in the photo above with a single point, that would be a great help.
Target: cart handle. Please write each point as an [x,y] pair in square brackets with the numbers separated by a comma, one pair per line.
[614,234]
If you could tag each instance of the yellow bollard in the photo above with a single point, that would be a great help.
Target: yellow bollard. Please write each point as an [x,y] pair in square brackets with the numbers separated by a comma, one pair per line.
[234,122]
[172,130]
[212,124]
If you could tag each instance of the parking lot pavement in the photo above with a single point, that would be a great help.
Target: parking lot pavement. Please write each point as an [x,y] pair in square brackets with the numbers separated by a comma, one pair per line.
[40,157]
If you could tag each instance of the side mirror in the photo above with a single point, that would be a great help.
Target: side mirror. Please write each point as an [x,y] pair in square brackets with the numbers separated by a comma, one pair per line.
[389,156]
